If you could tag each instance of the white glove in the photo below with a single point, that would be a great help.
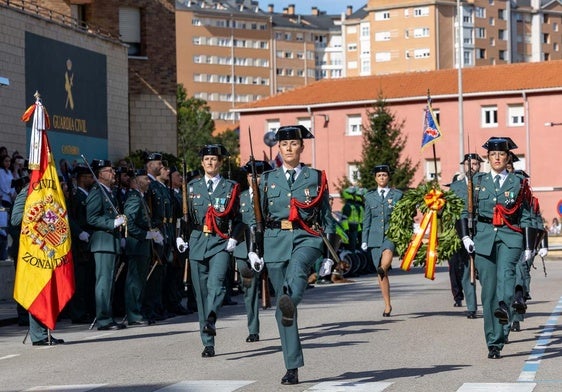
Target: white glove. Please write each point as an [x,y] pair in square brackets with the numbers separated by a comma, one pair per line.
[181,245]
[326,268]
[256,262]
[158,238]
[231,244]
[123,242]
[543,252]
[528,254]
[84,236]
[468,244]
[121,219]
[364,246]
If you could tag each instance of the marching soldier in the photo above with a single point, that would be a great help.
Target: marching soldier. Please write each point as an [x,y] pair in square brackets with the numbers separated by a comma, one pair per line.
[459,264]
[213,211]
[501,201]
[250,278]
[379,204]
[83,303]
[297,214]
[105,242]
[138,247]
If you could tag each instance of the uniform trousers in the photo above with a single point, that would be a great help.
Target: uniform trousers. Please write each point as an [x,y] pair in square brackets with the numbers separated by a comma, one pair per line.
[208,277]
[251,299]
[137,271]
[105,269]
[497,277]
[291,277]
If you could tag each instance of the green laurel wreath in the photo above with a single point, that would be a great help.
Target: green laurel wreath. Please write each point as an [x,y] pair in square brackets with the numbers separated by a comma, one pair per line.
[401,225]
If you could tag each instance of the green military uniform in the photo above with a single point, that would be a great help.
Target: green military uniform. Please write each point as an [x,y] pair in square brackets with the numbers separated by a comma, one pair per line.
[376,220]
[105,243]
[289,250]
[209,260]
[498,246]
[460,259]
[139,252]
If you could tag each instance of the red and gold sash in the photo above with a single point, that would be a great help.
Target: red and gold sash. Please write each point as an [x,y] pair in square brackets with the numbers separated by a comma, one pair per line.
[502,213]
[212,214]
[295,205]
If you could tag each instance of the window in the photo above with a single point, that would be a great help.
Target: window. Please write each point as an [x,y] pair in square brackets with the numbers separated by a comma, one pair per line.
[421,11]
[516,115]
[365,31]
[421,53]
[272,125]
[382,15]
[489,116]
[421,32]
[352,47]
[501,54]
[480,53]
[365,67]
[501,14]
[354,127]
[501,34]
[353,173]
[382,36]
[382,57]
[430,169]
[130,29]
[480,12]
[480,32]
[546,38]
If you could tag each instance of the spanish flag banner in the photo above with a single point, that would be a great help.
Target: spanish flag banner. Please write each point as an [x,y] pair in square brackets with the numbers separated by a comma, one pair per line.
[45,272]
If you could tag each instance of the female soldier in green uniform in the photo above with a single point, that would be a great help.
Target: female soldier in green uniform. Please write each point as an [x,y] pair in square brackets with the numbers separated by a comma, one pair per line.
[501,202]
[295,206]
[213,211]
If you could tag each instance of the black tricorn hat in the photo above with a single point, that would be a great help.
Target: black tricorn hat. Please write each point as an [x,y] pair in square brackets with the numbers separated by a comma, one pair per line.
[470,156]
[80,169]
[261,166]
[293,132]
[381,168]
[190,175]
[214,149]
[499,144]
[152,156]
[514,158]
[98,164]
[138,172]
[173,169]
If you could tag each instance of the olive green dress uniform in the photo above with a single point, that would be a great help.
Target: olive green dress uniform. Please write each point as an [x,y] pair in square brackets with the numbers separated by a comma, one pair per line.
[251,297]
[139,253]
[208,258]
[376,221]
[83,303]
[460,188]
[497,249]
[105,244]
[289,254]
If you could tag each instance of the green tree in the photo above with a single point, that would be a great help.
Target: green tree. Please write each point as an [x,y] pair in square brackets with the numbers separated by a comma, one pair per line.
[195,127]
[383,143]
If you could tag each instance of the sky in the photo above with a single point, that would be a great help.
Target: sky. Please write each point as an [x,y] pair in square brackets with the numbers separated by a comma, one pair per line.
[304,6]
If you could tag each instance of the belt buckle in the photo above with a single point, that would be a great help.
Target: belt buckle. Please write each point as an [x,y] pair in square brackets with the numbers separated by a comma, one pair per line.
[206,229]
[286,224]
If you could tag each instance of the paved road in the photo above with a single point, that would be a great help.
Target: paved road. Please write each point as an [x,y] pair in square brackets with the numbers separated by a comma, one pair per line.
[427,345]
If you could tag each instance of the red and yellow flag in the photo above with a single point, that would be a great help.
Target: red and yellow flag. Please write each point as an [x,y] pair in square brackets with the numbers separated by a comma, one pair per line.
[45,272]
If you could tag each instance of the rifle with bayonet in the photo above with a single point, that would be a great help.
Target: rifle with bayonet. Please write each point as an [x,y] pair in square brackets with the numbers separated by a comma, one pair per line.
[470,210]
[182,226]
[258,230]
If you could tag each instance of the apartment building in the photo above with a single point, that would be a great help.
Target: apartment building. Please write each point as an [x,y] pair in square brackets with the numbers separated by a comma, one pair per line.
[232,52]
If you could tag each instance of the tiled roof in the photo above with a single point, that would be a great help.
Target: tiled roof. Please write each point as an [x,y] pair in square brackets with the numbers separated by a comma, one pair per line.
[476,80]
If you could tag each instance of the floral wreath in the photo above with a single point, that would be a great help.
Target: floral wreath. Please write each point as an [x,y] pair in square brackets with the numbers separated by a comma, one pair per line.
[401,225]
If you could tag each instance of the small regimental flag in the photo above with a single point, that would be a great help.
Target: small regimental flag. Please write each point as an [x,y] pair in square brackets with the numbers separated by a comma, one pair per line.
[431,131]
